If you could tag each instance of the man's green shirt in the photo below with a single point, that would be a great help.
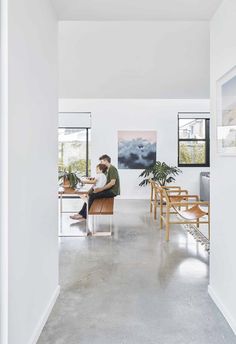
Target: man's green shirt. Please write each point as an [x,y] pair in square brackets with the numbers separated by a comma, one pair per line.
[113,174]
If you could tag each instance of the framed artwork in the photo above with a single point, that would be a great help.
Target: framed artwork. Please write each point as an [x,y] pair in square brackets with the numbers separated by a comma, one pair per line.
[226,113]
[136,149]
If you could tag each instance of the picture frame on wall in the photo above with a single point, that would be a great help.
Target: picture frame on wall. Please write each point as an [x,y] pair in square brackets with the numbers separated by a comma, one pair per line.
[137,149]
[226,114]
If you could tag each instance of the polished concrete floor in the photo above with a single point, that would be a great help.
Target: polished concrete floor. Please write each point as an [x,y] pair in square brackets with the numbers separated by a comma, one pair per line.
[134,288]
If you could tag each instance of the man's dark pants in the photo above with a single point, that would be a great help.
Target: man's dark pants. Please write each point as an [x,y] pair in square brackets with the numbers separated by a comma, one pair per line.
[92,197]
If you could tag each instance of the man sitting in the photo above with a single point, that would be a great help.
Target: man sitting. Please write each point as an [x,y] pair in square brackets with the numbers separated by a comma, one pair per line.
[111,189]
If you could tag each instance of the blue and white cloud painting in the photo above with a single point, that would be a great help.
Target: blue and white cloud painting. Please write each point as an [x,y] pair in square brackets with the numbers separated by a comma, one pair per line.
[136,149]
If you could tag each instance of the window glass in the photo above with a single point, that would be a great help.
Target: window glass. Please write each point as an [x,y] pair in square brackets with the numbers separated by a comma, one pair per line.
[192,128]
[192,152]
[193,140]
[89,152]
[72,150]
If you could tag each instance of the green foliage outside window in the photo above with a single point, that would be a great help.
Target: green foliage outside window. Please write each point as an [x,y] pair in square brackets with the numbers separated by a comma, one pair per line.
[76,166]
[192,153]
[193,140]
[73,150]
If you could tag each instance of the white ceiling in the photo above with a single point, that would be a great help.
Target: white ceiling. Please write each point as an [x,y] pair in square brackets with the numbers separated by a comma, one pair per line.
[149,59]
[135,9]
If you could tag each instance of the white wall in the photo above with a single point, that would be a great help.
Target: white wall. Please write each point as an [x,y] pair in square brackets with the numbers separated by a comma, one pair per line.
[3,176]
[32,189]
[109,116]
[134,59]
[223,182]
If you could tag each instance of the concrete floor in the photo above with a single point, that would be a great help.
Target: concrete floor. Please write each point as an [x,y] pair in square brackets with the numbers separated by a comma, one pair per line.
[134,288]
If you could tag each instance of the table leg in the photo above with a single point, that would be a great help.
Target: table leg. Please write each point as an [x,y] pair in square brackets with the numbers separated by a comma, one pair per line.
[93,225]
[87,219]
[61,203]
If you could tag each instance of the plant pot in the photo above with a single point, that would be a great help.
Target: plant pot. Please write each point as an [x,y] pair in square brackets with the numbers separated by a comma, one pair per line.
[66,184]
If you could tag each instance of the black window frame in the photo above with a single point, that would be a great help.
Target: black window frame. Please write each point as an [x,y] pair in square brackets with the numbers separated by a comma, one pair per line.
[192,115]
[87,144]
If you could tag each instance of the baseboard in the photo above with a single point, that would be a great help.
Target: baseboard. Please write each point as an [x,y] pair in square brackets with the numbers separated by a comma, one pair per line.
[44,317]
[223,309]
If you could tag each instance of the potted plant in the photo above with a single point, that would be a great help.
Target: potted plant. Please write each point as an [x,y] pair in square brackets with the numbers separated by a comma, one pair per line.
[68,178]
[159,172]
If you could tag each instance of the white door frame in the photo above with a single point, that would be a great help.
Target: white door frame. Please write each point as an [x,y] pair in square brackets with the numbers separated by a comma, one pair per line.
[4,172]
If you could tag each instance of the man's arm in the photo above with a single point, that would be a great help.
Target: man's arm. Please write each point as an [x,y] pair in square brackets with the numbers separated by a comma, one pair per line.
[106,187]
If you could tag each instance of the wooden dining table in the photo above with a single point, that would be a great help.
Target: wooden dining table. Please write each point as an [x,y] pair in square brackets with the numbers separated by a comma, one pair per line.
[70,193]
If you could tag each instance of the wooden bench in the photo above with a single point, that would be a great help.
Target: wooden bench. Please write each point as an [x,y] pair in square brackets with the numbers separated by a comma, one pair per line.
[102,206]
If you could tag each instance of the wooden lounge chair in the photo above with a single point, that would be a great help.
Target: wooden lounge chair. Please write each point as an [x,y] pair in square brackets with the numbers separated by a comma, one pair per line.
[159,200]
[156,195]
[193,212]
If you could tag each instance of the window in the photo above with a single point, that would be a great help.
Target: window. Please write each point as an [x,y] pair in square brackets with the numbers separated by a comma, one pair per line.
[73,150]
[193,140]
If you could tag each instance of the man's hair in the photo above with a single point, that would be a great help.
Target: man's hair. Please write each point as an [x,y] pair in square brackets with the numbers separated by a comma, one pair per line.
[102,168]
[105,157]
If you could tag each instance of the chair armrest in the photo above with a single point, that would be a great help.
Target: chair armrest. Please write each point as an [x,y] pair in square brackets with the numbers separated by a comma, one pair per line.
[171,187]
[184,204]
[185,196]
[177,191]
